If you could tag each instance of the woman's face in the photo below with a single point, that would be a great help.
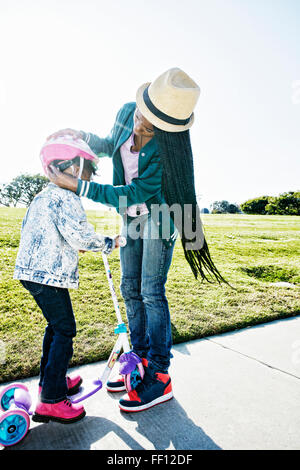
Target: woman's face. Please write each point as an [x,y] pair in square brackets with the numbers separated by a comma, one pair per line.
[142,127]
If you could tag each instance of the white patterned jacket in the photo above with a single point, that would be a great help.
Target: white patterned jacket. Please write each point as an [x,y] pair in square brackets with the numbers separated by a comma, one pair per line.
[54,228]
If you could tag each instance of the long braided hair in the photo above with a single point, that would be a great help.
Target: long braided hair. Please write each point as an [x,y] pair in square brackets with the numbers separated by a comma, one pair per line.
[178,187]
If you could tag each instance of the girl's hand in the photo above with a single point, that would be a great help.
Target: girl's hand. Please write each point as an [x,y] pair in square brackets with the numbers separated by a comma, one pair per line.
[72,132]
[62,179]
[120,241]
[117,238]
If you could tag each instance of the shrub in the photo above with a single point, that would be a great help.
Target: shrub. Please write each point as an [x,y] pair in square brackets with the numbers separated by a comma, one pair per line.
[285,204]
[256,205]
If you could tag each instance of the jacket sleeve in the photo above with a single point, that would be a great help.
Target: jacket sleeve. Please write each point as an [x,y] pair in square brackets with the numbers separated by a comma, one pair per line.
[147,185]
[72,224]
[104,147]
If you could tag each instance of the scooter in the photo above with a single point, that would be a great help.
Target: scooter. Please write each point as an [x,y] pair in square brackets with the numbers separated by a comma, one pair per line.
[15,399]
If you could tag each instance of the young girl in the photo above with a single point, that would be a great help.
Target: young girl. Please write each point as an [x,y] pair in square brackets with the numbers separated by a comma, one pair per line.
[53,230]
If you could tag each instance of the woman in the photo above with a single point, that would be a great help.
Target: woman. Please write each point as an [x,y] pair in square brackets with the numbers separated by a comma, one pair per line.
[152,171]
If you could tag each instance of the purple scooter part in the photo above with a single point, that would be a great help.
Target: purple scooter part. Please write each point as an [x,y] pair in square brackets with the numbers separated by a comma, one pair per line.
[23,400]
[82,396]
[132,369]
[128,362]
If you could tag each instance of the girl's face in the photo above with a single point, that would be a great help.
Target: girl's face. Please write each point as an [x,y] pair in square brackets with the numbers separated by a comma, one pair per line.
[142,127]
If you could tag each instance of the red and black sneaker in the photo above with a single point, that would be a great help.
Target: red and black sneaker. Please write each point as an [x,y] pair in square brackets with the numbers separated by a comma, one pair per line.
[152,391]
[118,384]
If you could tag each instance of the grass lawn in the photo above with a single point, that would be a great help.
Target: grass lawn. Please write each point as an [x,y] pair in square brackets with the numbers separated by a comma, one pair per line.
[252,253]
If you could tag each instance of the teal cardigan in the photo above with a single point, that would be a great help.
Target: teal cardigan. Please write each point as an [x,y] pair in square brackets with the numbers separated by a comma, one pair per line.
[146,188]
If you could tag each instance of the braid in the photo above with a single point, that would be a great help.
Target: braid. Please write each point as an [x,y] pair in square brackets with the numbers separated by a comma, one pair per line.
[178,187]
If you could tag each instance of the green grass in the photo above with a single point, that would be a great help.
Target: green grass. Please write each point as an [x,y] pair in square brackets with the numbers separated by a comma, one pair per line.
[252,252]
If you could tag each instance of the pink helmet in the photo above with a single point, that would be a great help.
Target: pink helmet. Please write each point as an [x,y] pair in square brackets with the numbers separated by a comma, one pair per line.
[66,148]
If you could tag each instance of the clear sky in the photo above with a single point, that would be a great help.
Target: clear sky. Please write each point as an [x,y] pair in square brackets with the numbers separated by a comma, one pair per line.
[74,63]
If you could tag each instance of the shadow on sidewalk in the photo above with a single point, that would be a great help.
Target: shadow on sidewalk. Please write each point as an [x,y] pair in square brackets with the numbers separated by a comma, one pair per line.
[76,436]
[168,427]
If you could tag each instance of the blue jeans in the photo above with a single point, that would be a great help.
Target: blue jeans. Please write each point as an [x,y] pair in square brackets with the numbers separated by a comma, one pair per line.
[56,306]
[145,262]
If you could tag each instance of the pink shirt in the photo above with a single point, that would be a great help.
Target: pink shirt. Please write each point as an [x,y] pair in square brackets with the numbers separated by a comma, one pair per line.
[130,162]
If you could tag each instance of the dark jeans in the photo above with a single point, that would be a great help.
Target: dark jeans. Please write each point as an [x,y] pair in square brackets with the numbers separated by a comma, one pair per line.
[145,262]
[56,306]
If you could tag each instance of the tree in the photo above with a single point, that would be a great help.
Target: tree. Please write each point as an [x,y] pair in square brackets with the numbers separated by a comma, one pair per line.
[4,199]
[233,209]
[284,204]
[220,207]
[10,194]
[256,205]
[224,207]
[22,189]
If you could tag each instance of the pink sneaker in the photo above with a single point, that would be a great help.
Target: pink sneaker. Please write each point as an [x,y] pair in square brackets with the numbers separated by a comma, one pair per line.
[73,384]
[62,412]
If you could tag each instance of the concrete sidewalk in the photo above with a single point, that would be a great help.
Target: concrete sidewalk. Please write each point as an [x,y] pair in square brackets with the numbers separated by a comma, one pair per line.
[239,390]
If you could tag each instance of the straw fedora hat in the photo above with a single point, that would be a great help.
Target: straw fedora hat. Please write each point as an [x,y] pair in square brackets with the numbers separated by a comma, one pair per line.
[169,101]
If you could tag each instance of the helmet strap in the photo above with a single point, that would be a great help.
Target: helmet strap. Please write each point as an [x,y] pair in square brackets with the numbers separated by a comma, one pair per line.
[81,167]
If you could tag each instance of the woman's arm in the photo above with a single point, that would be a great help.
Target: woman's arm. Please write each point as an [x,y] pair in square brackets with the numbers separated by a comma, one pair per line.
[103,147]
[147,185]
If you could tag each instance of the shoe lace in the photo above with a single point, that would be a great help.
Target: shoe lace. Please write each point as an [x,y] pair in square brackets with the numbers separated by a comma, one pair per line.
[68,402]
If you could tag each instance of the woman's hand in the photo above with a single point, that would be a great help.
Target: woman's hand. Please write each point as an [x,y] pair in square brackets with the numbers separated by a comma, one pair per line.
[72,132]
[62,180]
